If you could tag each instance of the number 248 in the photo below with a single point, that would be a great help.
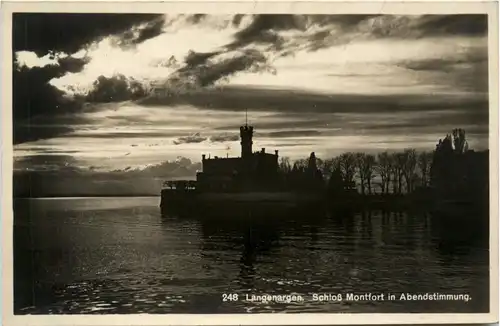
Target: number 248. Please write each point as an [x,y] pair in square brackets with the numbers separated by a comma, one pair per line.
[229,297]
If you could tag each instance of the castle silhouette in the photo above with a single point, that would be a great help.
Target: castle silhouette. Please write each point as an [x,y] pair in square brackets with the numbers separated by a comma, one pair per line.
[249,171]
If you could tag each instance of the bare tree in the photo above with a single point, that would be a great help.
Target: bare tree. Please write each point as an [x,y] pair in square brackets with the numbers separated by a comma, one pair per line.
[360,171]
[326,166]
[301,163]
[370,163]
[384,170]
[365,164]
[397,165]
[409,161]
[424,162]
[284,164]
[347,164]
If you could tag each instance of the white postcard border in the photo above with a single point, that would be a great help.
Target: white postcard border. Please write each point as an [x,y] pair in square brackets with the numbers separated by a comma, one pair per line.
[211,7]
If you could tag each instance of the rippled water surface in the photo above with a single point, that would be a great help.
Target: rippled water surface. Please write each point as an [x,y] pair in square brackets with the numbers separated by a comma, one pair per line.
[119,255]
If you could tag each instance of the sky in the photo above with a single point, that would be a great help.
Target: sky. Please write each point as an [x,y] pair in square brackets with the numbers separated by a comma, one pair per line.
[123,92]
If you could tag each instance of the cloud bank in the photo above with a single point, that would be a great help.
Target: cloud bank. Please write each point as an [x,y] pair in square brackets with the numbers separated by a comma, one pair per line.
[134,88]
[60,175]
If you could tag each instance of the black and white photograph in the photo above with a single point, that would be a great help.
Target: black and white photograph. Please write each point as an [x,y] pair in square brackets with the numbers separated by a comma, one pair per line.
[168,162]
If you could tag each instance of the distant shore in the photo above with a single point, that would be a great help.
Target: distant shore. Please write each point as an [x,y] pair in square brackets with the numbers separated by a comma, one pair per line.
[55,196]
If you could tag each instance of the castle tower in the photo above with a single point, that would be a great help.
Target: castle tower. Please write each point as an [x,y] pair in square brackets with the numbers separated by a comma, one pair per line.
[246,135]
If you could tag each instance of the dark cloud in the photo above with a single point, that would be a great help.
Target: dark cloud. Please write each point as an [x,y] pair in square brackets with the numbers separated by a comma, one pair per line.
[141,33]
[201,72]
[433,64]
[337,30]
[388,26]
[49,33]
[290,101]
[263,29]
[281,145]
[402,129]
[468,73]
[224,138]
[237,20]
[72,65]
[151,30]
[459,24]
[332,30]
[198,58]
[476,119]
[117,88]
[33,96]
[266,28]
[345,21]
[419,124]
[283,121]
[28,132]
[69,32]
[466,77]
[130,135]
[46,162]
[413,26]
[293,133]
[248,61]
[195,19]
[477,55]
[195,138]
[45,33]
[37,104]
[56,151]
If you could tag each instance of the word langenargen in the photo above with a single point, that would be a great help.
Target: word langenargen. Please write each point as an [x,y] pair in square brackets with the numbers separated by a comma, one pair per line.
[264,298]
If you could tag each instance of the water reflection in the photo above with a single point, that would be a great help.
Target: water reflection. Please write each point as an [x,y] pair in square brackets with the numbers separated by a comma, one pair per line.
[371,251]
[129,259]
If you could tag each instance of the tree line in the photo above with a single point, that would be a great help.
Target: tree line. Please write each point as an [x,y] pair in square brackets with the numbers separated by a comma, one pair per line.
[400,172]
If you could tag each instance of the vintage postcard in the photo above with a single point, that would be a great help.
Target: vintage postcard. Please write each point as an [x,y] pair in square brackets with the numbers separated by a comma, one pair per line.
[249,163]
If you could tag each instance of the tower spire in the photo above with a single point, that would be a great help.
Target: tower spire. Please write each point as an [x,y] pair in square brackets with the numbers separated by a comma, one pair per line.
[246,134]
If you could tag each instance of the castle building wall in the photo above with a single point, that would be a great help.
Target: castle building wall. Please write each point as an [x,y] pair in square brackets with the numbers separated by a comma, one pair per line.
[251,170]
[222,166]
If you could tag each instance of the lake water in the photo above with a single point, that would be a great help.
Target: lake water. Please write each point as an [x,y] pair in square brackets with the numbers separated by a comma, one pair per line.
[119,255]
